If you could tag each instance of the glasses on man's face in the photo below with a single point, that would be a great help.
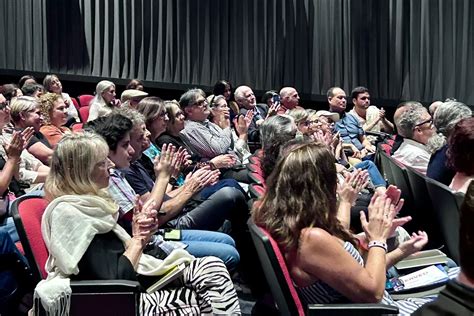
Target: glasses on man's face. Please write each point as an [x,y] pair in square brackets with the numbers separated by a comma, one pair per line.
[200,103]
[162,114]
[430,121]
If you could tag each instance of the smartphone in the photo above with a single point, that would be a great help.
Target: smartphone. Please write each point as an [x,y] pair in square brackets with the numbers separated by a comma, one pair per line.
[394,285]
[276,98]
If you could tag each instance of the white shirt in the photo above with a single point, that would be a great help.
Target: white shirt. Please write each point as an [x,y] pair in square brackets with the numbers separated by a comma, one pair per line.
[413,154]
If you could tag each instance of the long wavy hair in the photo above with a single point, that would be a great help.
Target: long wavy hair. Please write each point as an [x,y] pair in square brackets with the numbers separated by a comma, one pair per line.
[72,165]
[301,193]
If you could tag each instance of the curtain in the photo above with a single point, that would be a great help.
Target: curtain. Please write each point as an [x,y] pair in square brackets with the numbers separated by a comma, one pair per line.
[399,49]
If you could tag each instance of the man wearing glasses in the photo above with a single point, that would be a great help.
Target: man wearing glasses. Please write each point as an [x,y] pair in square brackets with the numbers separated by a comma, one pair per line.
[415,124]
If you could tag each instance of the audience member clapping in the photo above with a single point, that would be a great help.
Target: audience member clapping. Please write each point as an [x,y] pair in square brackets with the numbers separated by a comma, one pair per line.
[75,187]
[26,112]
[322,255]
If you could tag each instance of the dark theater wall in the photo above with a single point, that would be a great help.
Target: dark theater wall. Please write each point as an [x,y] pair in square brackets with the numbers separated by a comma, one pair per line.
[399,49]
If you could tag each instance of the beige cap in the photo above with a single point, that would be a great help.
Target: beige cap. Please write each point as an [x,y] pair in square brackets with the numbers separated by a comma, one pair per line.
[131,94]
[332,115]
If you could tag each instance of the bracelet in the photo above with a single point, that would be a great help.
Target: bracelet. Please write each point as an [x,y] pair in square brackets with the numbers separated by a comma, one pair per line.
[376,243]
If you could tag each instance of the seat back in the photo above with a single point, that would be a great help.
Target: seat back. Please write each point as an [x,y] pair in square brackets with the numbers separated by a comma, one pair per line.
[276,272]
[84,113]
[27,212]
[257,177]
[424,207]
[85,99]
[256,190]
[447,205]
[386,169]
[76,104]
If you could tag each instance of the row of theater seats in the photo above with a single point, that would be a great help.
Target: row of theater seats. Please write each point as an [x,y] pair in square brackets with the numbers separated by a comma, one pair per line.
[433,206]
[82,105]
[275,269]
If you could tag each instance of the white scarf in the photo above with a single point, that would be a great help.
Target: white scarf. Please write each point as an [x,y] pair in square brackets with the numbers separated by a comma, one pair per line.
[69,224]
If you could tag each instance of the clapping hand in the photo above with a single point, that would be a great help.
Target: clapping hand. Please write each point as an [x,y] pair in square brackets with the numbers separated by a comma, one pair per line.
[145,221]
[353,184]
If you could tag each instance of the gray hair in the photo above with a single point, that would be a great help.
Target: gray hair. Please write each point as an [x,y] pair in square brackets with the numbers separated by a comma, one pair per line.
[99,89]
[239,93]
[213,99]
[133,115]
[299,115]
[409,118]
[274,126]
[446,116]
[190,97]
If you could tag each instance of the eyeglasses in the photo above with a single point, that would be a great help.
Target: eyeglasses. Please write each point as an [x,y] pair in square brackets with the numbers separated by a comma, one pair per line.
[201,103]
[430,120]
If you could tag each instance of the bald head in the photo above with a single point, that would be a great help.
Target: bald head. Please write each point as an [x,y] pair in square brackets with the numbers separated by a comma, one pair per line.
[337,99]
[289,97]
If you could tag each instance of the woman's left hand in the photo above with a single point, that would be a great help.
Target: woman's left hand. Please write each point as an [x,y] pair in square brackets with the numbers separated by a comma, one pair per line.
[415,243]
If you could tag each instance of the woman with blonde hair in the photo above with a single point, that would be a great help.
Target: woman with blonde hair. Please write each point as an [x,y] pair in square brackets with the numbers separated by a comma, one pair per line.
[84,241]
[104,100]
[301,214]
[54,112]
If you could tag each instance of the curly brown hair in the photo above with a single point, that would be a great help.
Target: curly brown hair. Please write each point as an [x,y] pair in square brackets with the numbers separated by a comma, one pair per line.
[47,104]
[301,193]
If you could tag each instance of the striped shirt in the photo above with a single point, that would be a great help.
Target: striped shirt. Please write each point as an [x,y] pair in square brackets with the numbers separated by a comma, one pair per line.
[207,138]
[321,293]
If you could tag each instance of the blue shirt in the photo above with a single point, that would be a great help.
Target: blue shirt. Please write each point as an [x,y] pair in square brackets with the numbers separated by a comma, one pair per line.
[350,130]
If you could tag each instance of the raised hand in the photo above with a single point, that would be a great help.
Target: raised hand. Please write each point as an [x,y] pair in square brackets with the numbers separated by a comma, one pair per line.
[165,162]
[353,184]
[27,134]
[240,123]
[273,110]
[415,243]
[16,146]
[145,221]
[381,213]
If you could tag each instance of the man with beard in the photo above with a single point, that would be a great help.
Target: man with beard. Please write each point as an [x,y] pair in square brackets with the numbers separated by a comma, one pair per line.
[348,126]
[370,117]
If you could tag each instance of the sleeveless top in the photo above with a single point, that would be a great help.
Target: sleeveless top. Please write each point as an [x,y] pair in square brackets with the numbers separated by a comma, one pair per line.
[322,293]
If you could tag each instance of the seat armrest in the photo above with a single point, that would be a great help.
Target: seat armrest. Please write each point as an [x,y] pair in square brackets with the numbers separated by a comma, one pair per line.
[352,309]
[103,286]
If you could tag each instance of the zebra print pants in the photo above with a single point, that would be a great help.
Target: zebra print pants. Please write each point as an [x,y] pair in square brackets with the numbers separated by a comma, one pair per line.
[206,289]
